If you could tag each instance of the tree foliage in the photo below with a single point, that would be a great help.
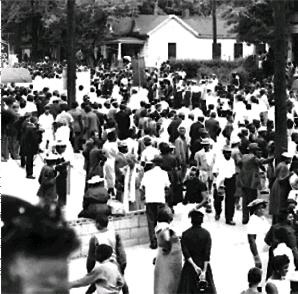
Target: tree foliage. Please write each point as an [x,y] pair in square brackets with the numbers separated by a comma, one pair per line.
[252,20]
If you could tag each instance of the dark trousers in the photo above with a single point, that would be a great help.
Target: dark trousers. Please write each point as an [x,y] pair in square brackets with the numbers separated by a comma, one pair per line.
[13,146]
[29,164]
[4,147]
[248,195]
[230,187]
[61,187]
[76,141]
[217,202]
[152,210]
[23,160]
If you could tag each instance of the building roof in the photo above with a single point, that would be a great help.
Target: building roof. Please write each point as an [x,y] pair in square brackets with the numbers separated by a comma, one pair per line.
[203,26]
[144,24]
[126,40]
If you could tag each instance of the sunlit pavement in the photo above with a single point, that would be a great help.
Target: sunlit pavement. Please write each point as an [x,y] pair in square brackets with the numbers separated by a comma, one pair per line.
[230,260]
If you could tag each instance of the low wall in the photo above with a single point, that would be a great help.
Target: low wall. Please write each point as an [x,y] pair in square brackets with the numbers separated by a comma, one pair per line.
[132,228]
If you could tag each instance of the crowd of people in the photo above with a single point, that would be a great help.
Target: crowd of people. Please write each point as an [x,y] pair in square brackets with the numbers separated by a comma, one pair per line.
[198,141]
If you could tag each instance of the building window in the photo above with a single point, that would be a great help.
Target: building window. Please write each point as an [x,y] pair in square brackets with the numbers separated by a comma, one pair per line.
[172,50]
[238,50]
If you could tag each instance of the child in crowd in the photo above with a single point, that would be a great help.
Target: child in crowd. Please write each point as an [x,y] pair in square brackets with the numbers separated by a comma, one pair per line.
[106,235]
[105,274]
[254,278]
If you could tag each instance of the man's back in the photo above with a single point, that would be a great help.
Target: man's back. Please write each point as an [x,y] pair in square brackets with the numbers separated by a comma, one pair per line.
[92,121]
[249,172]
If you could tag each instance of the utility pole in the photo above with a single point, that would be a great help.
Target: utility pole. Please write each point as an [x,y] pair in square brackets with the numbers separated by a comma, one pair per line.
[280,96]
[214,31]
[71,61]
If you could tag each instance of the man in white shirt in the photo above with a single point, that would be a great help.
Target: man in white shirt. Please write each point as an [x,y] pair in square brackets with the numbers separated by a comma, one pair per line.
[225,170]
[153,185]
[46,121]
[149,152]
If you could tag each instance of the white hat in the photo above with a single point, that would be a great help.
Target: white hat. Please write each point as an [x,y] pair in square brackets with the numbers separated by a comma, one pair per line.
[51,156]
[257,202]
[294,181]
[287,154]
[227,148]
[235,140]
[95,180]
[262,129]
[60,143]
[205,141]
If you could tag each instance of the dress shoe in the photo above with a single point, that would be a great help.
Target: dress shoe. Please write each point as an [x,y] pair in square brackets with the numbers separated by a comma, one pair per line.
[244,222]
[231,223]
[30,177]
[217,217]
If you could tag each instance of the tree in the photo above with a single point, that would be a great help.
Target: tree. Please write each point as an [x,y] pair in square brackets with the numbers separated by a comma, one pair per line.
[280,95]
[28,20]
[253,20]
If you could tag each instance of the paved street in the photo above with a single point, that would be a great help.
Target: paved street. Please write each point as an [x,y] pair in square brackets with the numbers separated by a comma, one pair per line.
[230,259]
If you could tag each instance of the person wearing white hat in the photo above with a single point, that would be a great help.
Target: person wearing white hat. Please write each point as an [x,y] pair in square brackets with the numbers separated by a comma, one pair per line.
[61,167]
[47,179]
[257,228]
[205,159]
[225,172]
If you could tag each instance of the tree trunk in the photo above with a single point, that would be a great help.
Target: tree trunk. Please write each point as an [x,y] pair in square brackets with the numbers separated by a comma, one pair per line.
[34,32]
[280,96]
[71,61]
[215,52]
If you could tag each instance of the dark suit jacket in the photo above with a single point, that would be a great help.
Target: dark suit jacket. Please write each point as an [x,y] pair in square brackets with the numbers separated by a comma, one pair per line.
[249,175]
[213,128]
[195,131]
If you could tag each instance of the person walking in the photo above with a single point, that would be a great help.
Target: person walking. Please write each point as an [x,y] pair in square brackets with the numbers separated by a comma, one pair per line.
[257,228]
[61,168]
[47,180]
[46,121]
[154,195]
[249,177]
[196,247]
[225,171]
[168,262]
[181,150]
[31,140]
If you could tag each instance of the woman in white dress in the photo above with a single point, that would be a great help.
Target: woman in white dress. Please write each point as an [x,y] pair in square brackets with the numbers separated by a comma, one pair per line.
[257,228]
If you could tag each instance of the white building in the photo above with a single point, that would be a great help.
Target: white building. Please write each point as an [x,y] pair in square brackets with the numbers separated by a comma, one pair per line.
[161,37]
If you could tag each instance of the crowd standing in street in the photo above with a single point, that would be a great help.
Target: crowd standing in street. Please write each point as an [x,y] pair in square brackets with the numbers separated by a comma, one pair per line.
[169,141]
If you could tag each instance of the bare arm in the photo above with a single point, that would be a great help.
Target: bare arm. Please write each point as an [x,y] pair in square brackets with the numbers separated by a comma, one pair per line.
[205,199]
[254,250]
[89,279]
